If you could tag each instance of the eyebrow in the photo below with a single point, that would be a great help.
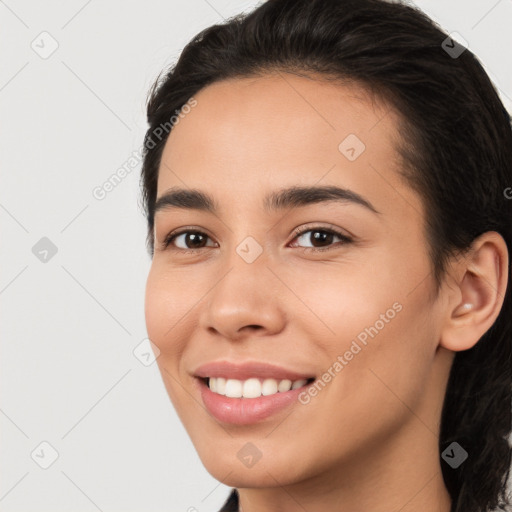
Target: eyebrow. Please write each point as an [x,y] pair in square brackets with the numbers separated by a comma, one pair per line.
[283,199]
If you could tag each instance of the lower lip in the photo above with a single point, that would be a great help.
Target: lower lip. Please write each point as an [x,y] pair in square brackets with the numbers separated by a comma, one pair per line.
[245,411]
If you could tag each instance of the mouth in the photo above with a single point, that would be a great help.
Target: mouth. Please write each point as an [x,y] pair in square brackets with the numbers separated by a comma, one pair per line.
[247,392]
[253,387]
[251,401]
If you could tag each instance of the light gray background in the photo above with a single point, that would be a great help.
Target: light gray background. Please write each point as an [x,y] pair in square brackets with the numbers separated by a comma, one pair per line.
[69,325]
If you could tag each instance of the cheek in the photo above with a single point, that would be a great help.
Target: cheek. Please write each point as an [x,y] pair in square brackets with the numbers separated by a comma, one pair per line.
[339,301]
[393,356]
[166,302]
[369,318]
[156,313]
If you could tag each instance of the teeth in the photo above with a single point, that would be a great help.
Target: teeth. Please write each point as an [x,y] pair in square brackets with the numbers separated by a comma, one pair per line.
[252,388]
[269,387]
[284,385]
[298,384]
[220,386]
[233,388]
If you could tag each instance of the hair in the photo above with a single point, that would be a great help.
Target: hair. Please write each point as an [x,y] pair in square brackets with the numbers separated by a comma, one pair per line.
[456,153]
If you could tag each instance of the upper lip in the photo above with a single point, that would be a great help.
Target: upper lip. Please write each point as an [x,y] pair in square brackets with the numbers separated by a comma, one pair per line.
[246,370]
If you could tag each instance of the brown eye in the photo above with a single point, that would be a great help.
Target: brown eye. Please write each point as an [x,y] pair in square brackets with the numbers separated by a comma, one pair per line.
[190,239]
[321,236]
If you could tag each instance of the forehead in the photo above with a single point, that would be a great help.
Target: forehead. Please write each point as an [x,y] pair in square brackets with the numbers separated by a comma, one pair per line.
[252,135]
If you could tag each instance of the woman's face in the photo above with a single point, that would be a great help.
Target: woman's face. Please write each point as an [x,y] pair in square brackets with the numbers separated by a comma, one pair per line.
[356,316]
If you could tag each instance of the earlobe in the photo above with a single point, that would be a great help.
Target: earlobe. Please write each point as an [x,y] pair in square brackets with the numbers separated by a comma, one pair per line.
[480,293]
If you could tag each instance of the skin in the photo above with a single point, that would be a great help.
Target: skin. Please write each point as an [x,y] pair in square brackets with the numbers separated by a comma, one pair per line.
[369,440]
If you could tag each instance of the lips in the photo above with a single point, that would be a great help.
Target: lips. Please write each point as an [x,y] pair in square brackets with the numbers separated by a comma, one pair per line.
[247,370]
[245,411]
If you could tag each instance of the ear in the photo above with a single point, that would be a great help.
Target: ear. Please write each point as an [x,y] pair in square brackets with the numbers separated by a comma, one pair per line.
[481,279]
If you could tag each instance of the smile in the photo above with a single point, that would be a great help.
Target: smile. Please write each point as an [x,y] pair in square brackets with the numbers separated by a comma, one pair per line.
[245,410]
[253,387]
[243,393]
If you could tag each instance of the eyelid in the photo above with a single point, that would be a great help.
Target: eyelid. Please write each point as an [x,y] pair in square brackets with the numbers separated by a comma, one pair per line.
[327,227]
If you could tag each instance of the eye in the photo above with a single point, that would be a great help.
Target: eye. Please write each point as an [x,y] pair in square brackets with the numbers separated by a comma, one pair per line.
[189,236]
[321,235]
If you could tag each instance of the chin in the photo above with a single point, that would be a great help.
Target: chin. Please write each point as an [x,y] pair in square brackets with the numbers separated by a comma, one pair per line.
[241,462]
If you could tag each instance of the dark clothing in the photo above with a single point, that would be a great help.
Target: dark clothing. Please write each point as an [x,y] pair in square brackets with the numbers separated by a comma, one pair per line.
[231,504]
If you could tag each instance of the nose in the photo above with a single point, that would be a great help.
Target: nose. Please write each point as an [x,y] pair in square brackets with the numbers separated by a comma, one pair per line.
[245,301]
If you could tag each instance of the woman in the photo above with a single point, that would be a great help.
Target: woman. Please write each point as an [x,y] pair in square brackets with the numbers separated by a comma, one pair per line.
[325,184]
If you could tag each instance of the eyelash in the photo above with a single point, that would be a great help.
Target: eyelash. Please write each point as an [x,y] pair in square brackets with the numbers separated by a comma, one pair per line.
[297,232]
